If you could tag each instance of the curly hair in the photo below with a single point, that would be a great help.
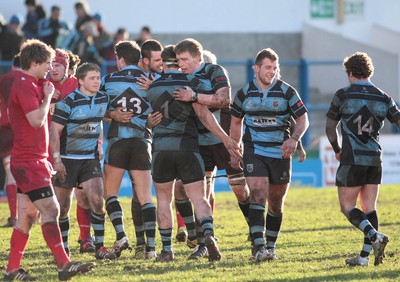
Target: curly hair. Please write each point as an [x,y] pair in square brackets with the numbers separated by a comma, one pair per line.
[359,65]
[74,61]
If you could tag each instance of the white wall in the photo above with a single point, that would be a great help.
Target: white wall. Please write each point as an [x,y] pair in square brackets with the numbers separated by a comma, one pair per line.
[210,16]
[182,16]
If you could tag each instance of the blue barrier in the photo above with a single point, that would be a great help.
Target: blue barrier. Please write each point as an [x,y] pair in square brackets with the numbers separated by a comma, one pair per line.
[304,87]
[306,174]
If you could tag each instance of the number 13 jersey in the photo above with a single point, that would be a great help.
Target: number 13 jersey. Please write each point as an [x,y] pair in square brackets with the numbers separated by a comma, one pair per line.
[124,92]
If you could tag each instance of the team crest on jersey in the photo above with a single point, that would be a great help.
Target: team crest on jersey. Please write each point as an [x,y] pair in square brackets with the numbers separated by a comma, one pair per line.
[101,110]
[250,168]
[80,113]
[275,104]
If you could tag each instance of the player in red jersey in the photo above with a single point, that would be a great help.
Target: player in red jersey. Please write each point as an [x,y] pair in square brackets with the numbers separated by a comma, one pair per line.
[64,83]
[6,139]
[28,107]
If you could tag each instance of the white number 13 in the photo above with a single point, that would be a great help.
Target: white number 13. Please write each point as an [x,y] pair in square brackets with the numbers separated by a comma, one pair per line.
[135,103]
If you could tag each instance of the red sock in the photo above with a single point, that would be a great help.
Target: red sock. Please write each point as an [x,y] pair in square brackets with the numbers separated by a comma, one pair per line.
[212,204]
[83,218]
[12,199]
[179,219]
[52,236]
[17,247]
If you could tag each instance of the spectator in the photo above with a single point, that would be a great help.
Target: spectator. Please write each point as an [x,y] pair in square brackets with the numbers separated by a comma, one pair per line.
[108,53]
[82,43]
[52,30]
[11,38]
[3,22]
[82,14]
[104,38]
[145,34]
[35,13]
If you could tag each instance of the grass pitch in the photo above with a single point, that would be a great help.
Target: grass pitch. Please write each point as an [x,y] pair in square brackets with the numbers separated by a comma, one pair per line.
[313,244]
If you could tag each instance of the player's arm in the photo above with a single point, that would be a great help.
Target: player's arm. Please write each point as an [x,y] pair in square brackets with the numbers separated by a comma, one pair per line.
[301,152]
[153,119]
[333,136]
[300,149]
[100,142]
[119,115]
[209,121]
[220,99]
[38,117]
[236,134]
[289,146]
[55,132]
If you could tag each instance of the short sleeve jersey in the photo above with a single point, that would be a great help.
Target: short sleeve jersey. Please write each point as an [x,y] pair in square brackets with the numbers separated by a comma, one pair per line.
[69,85]
[123,91]
[267,116]
[81,116]
[26,96]
[178,128]
[65,88]
[361,109]
[212,77]
[6,82]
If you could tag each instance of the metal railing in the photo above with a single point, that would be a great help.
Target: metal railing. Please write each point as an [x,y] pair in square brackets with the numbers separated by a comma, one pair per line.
[304,80]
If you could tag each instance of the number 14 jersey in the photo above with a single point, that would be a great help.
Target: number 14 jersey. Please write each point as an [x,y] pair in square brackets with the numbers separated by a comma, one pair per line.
[362,109]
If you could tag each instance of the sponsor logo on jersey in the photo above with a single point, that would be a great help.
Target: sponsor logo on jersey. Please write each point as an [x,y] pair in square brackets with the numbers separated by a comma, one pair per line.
[89,127]
[264,121]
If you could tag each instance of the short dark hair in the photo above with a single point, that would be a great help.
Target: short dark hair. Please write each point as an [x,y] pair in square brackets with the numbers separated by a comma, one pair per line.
[146,29]
[270,54]
[359,65]
[35,51]
[83,70]
[55,8]
[266,53]
[31,2]
[129,50]
[169,57]
[150,45]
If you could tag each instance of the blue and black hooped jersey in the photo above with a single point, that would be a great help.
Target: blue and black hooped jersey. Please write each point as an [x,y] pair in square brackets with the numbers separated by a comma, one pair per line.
[123,91]
[178,128]
[361,109]
[212,78]
[81,116]
[267,116]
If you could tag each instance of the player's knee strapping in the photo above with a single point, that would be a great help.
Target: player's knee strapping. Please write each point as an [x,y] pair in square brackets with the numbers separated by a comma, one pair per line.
[208,180]
[237,181]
